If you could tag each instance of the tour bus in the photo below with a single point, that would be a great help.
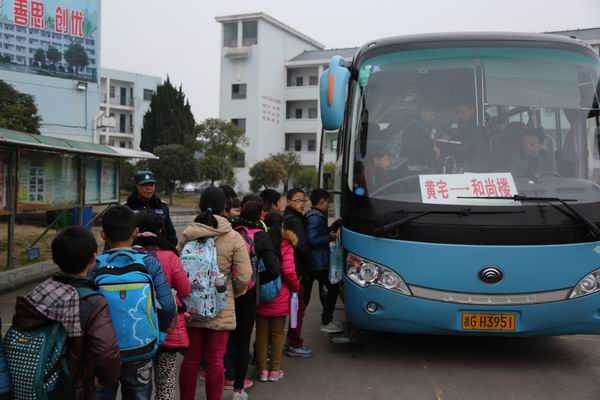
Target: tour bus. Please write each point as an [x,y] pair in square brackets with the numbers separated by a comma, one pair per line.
[467,173]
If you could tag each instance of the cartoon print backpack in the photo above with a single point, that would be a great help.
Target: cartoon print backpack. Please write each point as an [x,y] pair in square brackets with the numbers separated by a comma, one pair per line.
[209,289]
[36,359]
[129,290]
[266,291]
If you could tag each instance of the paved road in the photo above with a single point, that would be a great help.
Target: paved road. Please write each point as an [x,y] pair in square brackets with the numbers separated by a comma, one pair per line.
[384,366]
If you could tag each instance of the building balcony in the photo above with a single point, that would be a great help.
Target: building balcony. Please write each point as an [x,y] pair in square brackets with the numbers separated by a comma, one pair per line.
[293,93]
[116,104]
[301,125]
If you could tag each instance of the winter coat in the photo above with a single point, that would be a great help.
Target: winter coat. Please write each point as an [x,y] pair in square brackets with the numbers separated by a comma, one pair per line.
[168,257]
[162,289]
[4,378]
[234,263]
[159,207]
[93,355]
[280,305]
[296,222]
[317,236]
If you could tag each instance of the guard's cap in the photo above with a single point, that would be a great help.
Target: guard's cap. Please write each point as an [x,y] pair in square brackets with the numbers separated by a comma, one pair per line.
[142,177]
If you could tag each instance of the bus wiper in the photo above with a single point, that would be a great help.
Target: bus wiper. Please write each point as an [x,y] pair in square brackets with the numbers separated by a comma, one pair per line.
[465,212]
[574,214]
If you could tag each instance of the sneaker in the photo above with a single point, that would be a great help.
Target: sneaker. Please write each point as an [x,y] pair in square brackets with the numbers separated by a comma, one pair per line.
[263,376]
[299,351]
[332,327]
[239,395]
[248,383]
[274,376]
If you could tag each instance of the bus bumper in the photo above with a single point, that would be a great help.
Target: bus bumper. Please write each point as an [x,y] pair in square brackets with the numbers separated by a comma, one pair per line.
[406,314]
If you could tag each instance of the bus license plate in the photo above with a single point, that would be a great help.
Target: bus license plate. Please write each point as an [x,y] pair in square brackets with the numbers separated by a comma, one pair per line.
[488,322]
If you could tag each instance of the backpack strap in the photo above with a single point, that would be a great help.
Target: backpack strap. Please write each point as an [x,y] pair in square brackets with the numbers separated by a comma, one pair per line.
[88,298]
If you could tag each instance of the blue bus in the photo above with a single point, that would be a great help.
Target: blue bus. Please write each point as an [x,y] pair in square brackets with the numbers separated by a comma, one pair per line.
[467,173]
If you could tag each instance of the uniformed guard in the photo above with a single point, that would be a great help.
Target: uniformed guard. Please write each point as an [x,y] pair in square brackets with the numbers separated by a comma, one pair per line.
[144,197]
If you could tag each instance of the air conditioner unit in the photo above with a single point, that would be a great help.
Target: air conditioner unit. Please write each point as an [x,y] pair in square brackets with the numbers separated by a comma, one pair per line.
[107,122]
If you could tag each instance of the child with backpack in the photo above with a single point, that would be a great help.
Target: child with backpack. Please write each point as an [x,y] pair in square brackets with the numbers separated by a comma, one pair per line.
[271,316]
[266,268]
[63,326]
[218,266]
[140,302]
[149,239]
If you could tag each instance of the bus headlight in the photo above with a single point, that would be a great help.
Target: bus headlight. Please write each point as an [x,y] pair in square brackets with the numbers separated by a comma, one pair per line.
[366,273]
[588,285]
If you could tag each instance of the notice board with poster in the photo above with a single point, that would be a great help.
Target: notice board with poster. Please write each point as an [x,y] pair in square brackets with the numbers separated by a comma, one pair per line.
[101,181]
[48,181]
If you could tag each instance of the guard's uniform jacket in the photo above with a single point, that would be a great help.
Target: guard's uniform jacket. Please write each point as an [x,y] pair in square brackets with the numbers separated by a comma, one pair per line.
[159,207]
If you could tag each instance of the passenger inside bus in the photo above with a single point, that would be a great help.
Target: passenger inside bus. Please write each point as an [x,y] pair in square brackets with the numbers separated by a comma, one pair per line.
[533,158]
[413,148]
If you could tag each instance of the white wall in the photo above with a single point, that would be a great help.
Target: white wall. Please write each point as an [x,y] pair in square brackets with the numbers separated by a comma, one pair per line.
[61,105]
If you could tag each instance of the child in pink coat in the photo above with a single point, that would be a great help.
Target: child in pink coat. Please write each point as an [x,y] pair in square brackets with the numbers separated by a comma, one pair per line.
[271,316]
[150,226]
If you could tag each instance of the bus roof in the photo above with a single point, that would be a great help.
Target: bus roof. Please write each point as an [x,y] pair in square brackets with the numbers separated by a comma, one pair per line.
[447,39]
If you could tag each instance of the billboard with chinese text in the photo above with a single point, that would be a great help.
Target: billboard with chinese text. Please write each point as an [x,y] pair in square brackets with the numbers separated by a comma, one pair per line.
[58,38]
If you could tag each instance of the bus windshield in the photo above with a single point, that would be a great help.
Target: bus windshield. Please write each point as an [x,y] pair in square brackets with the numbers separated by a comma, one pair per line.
[482,121]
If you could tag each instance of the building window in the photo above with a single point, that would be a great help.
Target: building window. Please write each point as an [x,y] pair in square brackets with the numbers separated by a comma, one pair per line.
[148,94]
[313,80]
[298,113]
[333,144]
[238,91]
[240,123]
[250,33]
[297,145]
[239,160]
[230,34]
[112,92]
[122,144]
[122,123]
[312,112]
[299,81]
[312,145]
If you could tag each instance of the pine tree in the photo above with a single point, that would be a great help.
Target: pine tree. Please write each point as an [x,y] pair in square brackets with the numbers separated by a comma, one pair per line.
[169,120]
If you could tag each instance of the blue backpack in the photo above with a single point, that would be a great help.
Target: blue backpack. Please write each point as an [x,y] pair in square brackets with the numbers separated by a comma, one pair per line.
[36,359]
[266,291]
[129,290]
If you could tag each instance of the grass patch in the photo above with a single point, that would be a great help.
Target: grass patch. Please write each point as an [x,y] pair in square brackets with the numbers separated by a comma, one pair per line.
[25,235]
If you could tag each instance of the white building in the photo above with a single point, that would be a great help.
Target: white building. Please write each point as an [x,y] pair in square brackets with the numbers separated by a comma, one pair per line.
[125,96]
[269,86]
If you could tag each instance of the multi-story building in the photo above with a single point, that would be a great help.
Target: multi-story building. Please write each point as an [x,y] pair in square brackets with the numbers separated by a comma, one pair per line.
[125,96]
[269,87]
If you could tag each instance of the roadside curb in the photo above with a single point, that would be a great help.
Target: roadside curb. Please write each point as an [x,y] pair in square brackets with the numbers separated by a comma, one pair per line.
[9,280]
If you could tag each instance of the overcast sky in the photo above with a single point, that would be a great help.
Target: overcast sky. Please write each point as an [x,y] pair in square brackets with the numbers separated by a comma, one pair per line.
[181,38]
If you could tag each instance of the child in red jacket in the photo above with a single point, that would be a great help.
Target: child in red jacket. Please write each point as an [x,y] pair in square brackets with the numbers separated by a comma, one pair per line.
[149,240]
[271,316]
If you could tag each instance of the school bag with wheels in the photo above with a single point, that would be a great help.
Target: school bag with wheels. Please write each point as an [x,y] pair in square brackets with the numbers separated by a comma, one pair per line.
[209,287]
[36,359]
[123,279]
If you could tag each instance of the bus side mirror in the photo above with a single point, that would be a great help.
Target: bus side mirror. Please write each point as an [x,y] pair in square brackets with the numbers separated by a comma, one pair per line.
[333,90]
